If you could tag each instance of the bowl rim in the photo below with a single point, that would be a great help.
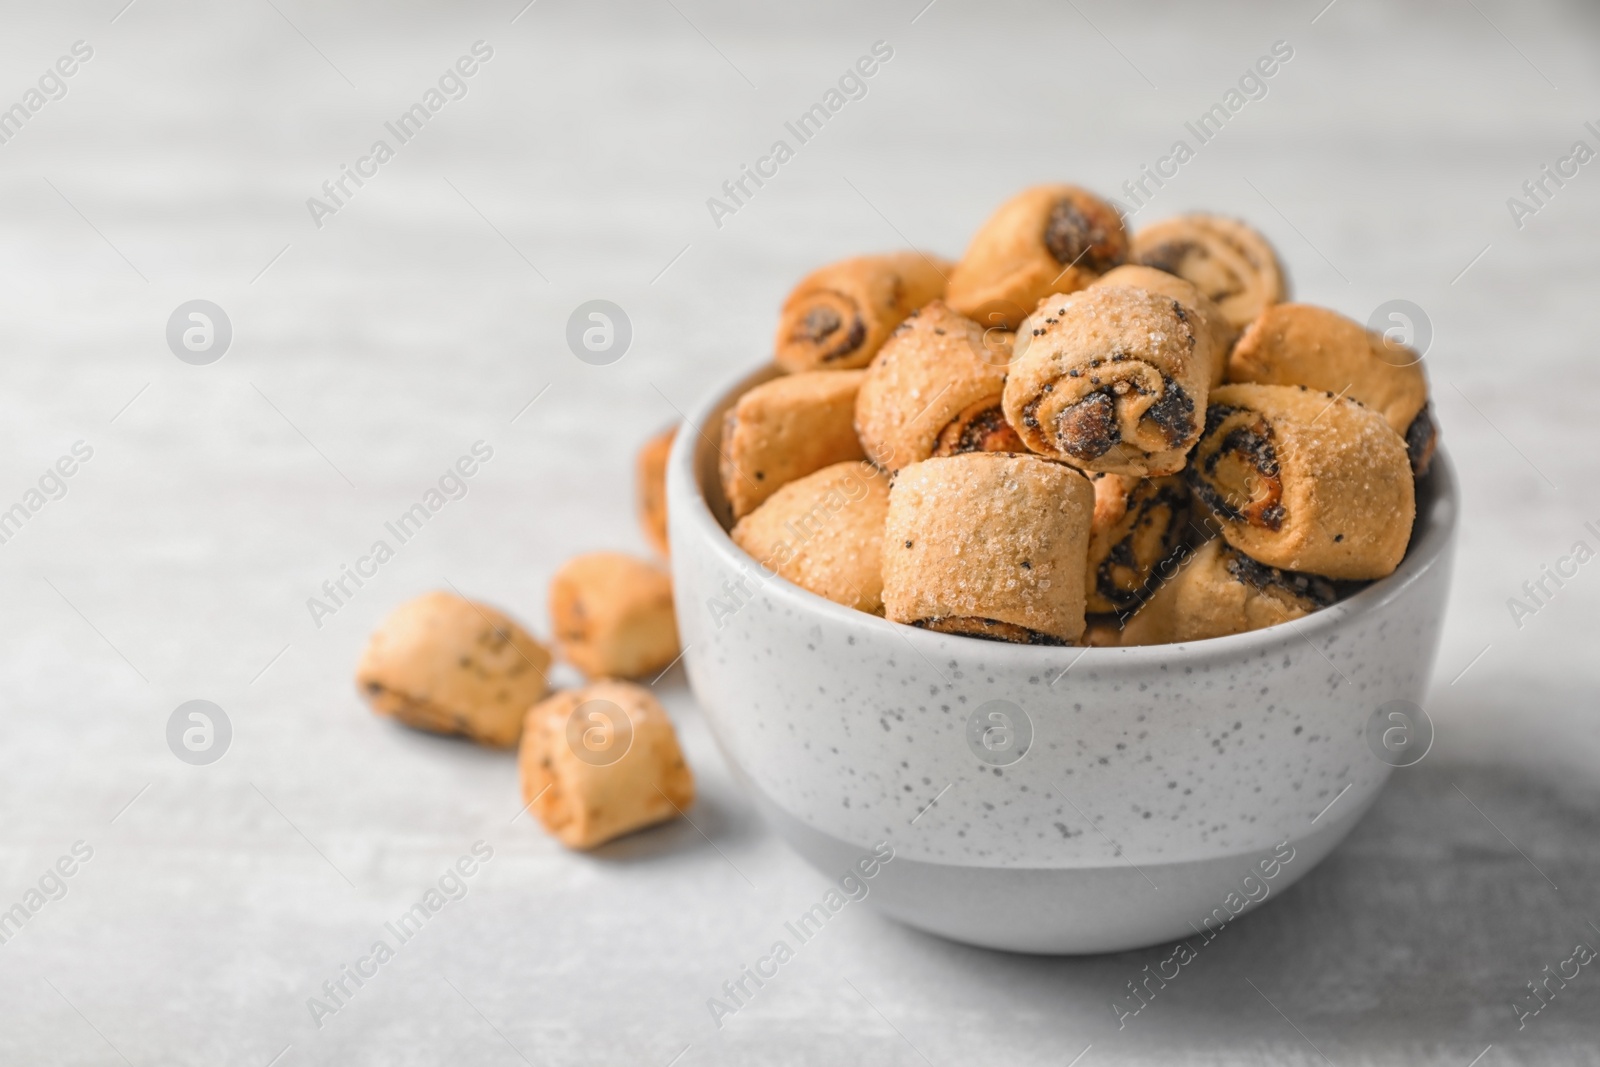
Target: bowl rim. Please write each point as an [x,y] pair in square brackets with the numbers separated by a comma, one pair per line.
[1430,543]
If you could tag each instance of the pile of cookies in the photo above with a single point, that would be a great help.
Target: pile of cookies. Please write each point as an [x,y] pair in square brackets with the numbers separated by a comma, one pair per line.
[597,761]
[1077,435]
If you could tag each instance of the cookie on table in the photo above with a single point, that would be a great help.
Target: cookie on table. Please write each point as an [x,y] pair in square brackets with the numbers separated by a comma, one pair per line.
[1224,258]
[1047,239]
[1139,524]
[1111,379]
[1220,591]
[933,390]
[650,487]
[600,762]
[1305,480]
[612,615]
[785,429]
[824,533]
[989,544]
[1223,333]
[1300,344]
[839,316]
[453,666]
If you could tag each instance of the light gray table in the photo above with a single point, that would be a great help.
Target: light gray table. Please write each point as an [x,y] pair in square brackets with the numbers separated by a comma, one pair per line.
[427,312]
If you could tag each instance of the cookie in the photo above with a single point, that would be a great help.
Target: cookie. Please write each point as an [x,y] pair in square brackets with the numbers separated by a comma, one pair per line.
[1305,480]
[1223,333]
[1111,379]
[933,390]
[453,666]
[824,533]
[612,615]
[1220,591]
[839,316]
[1047,239]
[600,762]
[1299,344]
[989,544]
[650,487]
[1139,524]
[785,429]
[1224,258]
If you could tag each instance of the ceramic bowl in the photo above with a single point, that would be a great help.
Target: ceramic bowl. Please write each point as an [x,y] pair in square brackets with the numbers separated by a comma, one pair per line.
[1048,800]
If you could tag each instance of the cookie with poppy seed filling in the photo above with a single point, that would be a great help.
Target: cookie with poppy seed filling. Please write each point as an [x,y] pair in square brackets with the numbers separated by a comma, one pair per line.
[839,316]
[612,615]
[1047,239]
[785,429]
[1305,480]
[1300,344]
[988,544]
[1111,379]
[650,488]
[1224,258]
[1219,591]
[1139,524]
[932,391]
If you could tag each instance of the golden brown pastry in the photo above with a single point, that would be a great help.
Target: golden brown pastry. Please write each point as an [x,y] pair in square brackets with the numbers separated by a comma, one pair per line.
[1299,344]
[1219,591]
[784,429]
[989,545]
[838,316]
[1111,379]
[612,615]
[453,666]
[1226,260]
[650,481]
[824,532]
[600,762]
[1305,480]
[1223,333]
[932,391]
[1139,523]
[1048,239]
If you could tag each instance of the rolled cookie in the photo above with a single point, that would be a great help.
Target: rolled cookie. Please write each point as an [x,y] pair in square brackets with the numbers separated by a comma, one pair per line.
[1139,524]
[932,390]
[785,429]
[612,615]
[838,316]
[650,487]
[453,666]
[1305,480]
[1048,239]
[600,762]
[1112,380]
[1223,333]
[824,532]
[1226,260]
[989,545]
[1219,591]
[1299,344]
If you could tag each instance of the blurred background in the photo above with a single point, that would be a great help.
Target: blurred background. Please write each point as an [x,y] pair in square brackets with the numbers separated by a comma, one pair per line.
[373,344]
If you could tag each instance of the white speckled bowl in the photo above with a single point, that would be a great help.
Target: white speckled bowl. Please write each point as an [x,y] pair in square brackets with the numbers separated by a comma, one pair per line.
[1158,781]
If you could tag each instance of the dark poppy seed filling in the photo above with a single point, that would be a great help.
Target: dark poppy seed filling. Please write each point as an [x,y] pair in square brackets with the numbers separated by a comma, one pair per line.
[819,323]
[1305,588]
[1075,237]
[1421,437]
[1174,257]
[1155,536]
[1088,429]
[988,630]
[1174,412]
[1236,469]
[824,324]
[985,430]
